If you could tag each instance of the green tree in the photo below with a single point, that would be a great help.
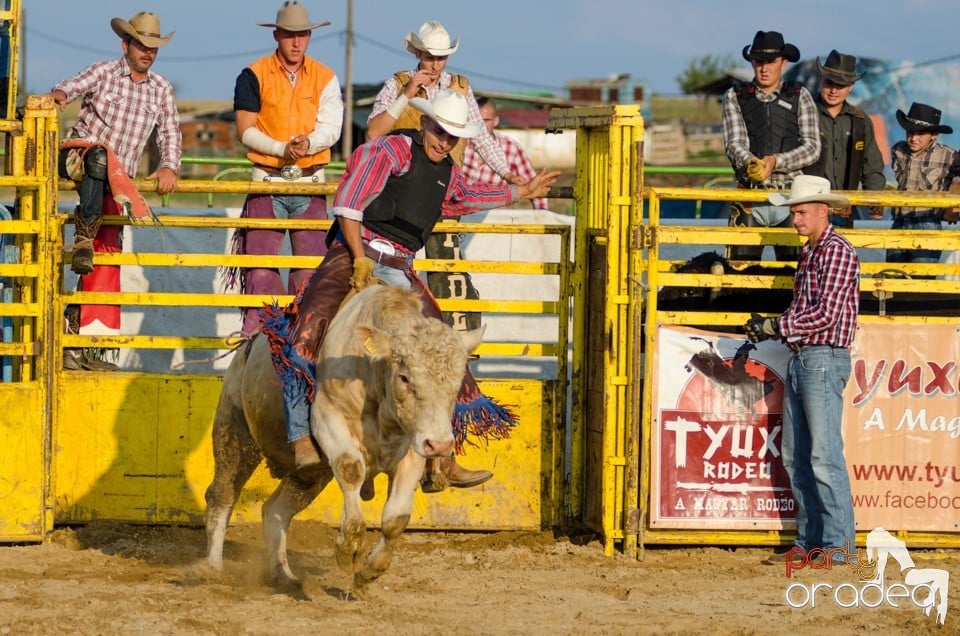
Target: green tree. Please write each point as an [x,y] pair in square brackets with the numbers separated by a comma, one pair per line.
[702,70]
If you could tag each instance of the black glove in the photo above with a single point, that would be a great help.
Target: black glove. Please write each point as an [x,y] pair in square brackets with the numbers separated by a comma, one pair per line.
[759,328]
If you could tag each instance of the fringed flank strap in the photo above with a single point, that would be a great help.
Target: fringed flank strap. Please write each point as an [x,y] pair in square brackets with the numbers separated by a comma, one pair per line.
[483,418]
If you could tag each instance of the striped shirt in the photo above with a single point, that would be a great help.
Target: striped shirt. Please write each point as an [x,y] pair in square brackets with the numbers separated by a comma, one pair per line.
[932,170]
[826,294]
[374,162]
[476,171]
[120,113]
[736,139]
[487,146]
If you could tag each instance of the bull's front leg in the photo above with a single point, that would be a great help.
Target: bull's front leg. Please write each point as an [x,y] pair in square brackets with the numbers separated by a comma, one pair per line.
[396,516]
[333,433]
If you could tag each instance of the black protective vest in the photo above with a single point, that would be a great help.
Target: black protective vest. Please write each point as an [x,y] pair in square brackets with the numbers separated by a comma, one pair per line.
[410,205]
[773,127]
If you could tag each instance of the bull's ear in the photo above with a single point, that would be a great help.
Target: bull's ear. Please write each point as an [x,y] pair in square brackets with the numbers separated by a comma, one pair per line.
[472,339]
[375,342]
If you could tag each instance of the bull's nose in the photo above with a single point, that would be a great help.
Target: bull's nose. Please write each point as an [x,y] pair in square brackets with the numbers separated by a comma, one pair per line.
[437,448]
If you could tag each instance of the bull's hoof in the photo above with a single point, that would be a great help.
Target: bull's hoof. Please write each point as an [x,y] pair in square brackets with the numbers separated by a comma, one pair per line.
[285,585]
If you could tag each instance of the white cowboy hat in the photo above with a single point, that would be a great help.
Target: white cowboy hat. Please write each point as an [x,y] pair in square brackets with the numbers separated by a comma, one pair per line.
[143,27]
[293,17]
[451,111]
[807,189]
[432,38]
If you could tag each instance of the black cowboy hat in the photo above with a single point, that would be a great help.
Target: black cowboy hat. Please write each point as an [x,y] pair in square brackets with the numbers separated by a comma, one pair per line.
[768,45]
[922,118]
[839,68]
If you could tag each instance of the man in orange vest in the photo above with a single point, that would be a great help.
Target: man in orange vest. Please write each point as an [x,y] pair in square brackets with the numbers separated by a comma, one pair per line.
[289,113]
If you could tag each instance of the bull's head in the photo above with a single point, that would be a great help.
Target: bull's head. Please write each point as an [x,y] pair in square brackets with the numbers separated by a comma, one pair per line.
[423,365]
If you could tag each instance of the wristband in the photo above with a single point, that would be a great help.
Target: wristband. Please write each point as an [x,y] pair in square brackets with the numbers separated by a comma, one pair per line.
[255,139]
[398,106]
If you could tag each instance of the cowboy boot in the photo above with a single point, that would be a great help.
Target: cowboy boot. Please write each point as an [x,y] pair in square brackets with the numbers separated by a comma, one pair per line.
[85,231]
[445,471]
[91,361]
[72,356]
[306,459]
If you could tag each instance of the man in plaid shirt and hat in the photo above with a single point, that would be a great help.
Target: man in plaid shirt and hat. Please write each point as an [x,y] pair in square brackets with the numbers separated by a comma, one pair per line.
[122,103]
[770,134]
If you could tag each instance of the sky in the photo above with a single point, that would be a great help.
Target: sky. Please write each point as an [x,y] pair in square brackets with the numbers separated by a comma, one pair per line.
[518,45]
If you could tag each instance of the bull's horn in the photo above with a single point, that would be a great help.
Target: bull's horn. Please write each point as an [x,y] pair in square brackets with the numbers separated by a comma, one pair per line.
[472,339]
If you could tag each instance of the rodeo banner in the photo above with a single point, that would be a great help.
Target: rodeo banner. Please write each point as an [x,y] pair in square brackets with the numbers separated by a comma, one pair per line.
[717,426]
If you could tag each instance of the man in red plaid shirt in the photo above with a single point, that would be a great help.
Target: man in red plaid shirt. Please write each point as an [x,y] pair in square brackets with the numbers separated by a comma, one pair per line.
[818,328]
[122,102]
[476,170]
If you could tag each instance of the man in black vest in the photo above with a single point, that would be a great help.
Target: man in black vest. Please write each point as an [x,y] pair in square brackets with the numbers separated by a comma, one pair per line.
[849,154]
[393,192]
[770,134]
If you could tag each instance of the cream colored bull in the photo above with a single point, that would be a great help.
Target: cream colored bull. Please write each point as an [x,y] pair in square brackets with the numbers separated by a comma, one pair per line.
[387,380]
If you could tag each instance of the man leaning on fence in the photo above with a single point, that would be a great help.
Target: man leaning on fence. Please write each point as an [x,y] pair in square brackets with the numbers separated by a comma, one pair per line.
[289,113]
[770,134]
[122,103]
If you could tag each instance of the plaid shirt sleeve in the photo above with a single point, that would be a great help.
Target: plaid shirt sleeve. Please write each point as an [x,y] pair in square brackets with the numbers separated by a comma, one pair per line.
[466,198]
[486,144]
[386,96]
[367,171]
[736,141]
[169,137]
[826,294]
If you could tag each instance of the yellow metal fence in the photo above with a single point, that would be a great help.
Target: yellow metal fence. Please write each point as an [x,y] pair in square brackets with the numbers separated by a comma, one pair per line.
[134,445]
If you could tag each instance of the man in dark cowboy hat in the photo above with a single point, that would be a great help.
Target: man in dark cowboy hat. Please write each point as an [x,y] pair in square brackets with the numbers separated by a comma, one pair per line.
[122,103]
[770,134]
[849,155]
[922,163]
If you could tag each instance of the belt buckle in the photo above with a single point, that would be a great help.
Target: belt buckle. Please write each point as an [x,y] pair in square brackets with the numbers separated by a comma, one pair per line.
[291,172]
[384,247]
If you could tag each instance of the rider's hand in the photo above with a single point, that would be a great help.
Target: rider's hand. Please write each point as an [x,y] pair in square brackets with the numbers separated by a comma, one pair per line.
[362,271]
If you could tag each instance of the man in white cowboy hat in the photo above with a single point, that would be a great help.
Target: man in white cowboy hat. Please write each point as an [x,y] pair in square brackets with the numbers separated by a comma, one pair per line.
[921,163]
[289,112]
[122,103]
[393,192]
[818,327]
[770,134]
[849,155]
[432,46]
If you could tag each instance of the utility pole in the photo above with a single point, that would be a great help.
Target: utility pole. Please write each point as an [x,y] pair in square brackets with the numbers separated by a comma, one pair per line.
[347,138]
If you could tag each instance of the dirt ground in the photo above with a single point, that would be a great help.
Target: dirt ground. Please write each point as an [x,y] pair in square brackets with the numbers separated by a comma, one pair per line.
[109,578]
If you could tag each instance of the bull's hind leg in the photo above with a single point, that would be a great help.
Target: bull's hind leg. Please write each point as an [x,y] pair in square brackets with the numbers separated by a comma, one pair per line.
[235,456]
[287,500]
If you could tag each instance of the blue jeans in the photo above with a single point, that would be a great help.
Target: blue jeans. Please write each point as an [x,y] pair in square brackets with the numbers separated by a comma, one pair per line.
[296,407]
[391,275]
[813,447]
[926,221]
